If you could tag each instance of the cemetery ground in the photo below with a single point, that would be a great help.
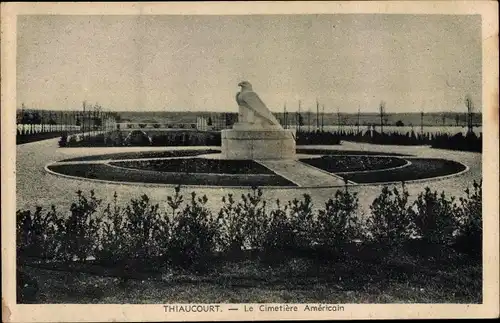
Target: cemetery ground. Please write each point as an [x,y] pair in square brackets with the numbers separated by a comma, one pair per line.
[412,271]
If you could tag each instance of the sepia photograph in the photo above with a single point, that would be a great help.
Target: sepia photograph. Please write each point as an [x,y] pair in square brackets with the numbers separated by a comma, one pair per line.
[299,162]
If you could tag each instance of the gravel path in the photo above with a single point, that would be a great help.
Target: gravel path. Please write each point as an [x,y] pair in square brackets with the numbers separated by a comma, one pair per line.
[302,174]
[36,187]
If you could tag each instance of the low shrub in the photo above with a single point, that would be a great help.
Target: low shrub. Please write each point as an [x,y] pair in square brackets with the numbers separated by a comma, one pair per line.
[146,228]
[338,224]
[390,222]
[253,210]
[434,217]
[470,230]
[138,138]
[64,140]
[38,233]
[290,228]
[194,232]
[232,223]
[470,142]
[80,230]
[280,235]
[139,236]
[113,234]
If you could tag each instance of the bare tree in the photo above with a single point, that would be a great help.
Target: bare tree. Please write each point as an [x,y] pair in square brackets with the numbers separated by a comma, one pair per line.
[470,110]
[357,124]
[422,122]
[322,118]
[382,114]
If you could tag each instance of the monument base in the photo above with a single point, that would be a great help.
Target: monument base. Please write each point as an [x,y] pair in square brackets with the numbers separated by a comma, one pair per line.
[258,144]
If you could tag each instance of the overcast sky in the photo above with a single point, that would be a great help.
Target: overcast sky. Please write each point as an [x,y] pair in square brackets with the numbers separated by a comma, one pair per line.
[195,62]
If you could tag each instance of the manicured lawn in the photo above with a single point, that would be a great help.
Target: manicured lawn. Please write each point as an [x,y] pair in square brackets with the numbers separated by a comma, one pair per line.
[24,139]
[110,173]
[145,154]
[315,151]
[420,168]
[335,164]
[363,275]
[198,165]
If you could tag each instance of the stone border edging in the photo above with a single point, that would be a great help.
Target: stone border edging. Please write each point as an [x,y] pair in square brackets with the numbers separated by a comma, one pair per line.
[408,163]
[230,175]
[159,185]
[352,184]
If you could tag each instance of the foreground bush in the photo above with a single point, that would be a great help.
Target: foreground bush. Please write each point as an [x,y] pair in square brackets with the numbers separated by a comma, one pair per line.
[140,235]
[194,232]
[434,216]
[390,221]
[338,224]
[470,229]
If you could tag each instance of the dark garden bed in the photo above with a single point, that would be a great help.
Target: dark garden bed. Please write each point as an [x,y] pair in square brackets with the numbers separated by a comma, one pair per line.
[110,173]
[316,151]
[335,164]
[146,154]
[198,165]
[419,169]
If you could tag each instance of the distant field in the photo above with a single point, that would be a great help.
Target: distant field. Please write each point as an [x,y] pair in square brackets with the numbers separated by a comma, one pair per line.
[328,118]
[430,119]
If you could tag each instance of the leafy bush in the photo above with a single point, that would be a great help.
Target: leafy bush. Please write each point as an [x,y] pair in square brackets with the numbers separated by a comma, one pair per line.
[391,218]
[145,226]
[338,223]
[140,236]
[72,140]
[290,228]
[470,229]
[80,229]
[302,221]
[280,235]
[434,217]
[138,138]
[113,234]
[64,140]
[194,232]
[38,234]
[253,210]
[232,224]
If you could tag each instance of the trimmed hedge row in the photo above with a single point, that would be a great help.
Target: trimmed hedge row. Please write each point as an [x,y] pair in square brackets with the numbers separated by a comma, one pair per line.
[139,235]
[469,142]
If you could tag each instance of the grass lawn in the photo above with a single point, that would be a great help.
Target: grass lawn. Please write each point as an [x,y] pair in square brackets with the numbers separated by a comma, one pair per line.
[198,165]
[315,151]
[145,154]
[24,139]
[364,275]
[334,164]
[419,169]
[110,173]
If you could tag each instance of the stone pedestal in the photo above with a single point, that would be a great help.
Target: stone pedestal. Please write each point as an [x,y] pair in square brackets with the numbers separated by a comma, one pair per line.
[243,142]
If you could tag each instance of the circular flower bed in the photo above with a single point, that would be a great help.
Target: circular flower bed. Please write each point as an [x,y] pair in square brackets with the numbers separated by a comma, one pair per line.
[338,164]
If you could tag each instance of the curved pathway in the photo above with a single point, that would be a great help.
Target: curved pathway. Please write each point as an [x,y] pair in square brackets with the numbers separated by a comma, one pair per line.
[37,187]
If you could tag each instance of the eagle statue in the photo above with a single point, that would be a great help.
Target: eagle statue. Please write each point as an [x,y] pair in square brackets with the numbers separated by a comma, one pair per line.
[252,110]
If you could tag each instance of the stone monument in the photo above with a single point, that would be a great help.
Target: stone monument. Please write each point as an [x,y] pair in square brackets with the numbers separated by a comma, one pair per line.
[257,134]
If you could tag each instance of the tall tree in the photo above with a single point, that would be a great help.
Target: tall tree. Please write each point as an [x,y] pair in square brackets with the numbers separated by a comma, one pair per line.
[470,111]
[382,114]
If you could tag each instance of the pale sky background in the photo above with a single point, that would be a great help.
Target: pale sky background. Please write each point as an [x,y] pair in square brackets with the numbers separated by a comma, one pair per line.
[177,63]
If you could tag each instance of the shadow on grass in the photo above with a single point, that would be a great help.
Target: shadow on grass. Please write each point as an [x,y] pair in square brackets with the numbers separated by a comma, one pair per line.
[414,273]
